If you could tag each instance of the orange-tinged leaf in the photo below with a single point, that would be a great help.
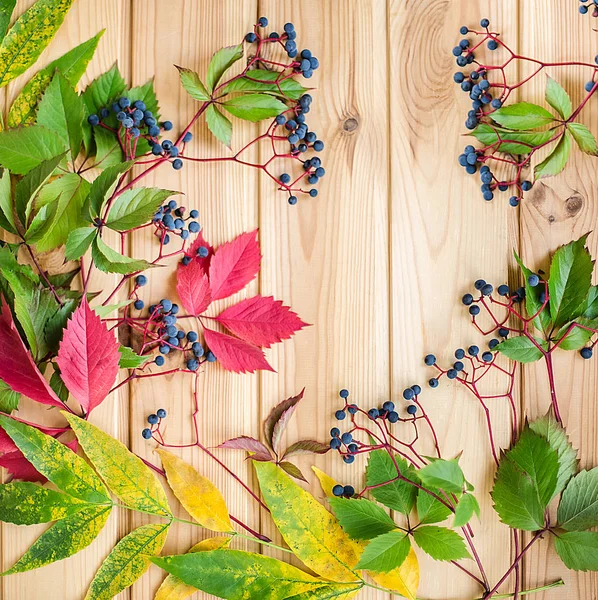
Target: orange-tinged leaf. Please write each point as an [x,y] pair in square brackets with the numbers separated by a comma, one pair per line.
[326,482]
[198,495]
[173,588]
[403,579]
[311,532]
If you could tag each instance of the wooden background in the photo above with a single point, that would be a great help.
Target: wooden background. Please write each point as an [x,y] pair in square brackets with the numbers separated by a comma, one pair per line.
[377,262]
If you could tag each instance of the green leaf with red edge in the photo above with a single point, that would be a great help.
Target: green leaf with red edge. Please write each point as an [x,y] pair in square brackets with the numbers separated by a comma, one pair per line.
[246,443]
[555,162]
[276,413]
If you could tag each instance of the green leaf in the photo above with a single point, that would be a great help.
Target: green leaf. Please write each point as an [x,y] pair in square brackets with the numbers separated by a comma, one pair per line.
[466,508]
[584,138]
[41,222]
[238,575]
[310,531]
[578,550]
[570,281]
[335,591]
[104,185]
[578,336]
[551,430]
[6,8]
[254,107]
[103,311]
[429,509]
[219,125]
[578,508]
[385,552]
[72,65]
[135,207]
[61,110]
[9,399]
[130,359]
[193,85]
[221,62]
[124,473]
[591,305]
[7,218]
[511,142]
[28,187]
[522,349]
[58,385]
[267,82]
[128,561]
[361,519]
[60,465]
[443,474]
[558,98]
[398,495]
[24,148]
[110,261]
[101,91]
[532,300]
[68,193]
[555,162]
[522,116]
[63,539]
[28,37]
[79,241]
[24,503]
[440,543]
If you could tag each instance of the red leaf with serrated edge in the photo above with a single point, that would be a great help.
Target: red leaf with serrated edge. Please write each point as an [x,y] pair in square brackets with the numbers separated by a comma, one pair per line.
[193,287]
[234,354]
[88,358]
[17,367]
[246,443]
[198,243]
[276,414]
[20,468]
[261,321]
[234,265]
[306,447]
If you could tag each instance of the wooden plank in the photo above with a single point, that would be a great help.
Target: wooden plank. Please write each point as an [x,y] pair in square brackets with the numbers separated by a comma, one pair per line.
[72,576]
[559,210]
[187,33]
[328,256]
[443,238]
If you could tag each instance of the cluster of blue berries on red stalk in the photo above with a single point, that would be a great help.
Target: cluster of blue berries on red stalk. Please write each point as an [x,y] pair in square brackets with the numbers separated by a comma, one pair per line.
[344,491]
[460,354]
[589,6]
[154,420]
[170,220]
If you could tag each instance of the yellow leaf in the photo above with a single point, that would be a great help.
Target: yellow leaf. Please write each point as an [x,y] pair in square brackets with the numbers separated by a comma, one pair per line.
[173,588]
[312,533]
[124,473]
[326,482]
[403,579]
[198,495]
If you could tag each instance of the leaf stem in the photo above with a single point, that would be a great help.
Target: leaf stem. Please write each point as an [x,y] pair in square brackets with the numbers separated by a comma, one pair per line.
[543,588]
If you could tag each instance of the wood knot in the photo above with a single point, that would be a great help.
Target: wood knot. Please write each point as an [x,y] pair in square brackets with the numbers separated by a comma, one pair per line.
[350,124]
[573,204]
[551,218]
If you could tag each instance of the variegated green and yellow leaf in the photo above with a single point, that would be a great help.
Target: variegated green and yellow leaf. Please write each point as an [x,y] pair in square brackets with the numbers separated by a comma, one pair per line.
[326,482]
[312,533]
[63,539]
[173,588]
[334,591]
[67,471]
[128,561]
[198,495]
[123,472]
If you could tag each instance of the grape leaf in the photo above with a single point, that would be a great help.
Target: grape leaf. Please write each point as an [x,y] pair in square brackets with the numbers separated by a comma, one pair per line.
[193,287]
[7,217]
[270,82]
[429,509]
[465,509]
[276,415]
[443,474]
[193,85]
[110,261]
[135,207]
[522,349]
[385,552]
[362,519]
[584,138]
[130,359]
[221,62]
[555,162]
[219,125]
[522,116]
[578,550]
[532,300]
[578,508]
[24,148]
[236,355]
[246,443]
[254,107]
[404,580]
[103,186]
[512,142]
[440,543]
[78,242]
[101,91]
[558,98]
[9,399]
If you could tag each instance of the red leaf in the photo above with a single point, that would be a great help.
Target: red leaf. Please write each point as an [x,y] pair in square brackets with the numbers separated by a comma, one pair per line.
[276,414]
[261,320]
[280,426]
[88,358]
[193,287]
[16,464]
[292,470]
[234,265]
[245,443]
[306,447]
[17,367]
[234,354]
[195,246]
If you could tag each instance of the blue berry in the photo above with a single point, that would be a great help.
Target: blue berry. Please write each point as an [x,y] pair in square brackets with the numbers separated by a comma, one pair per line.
[526,186]
[352,408]
[348,491]
[338,490]
[146,434]
[496,104]
[492,45]
[159,360]
[344,394]
[433,383]
[408,394]
[251,37]
[313,193]
[459,353]
[166,304]
[192,336]
[210,356]
[452,373]
[416,389]
[474,311]
[335,443]
[430,360]
[479,284]
[180,334]
[194,214]
[393,416]
[484,22]
[388,406]
[346,438]
[93,120]
[458,77]
[140,280]
[340,415]
[503,332]
[352,448]
[503,290]
[493,343]
[285,178]
[533,280]
[177,164]
[586,353]
[198,349]
[124,102]
[373,413]
[487,356]
[467,299]
[589,86]
[153,419]
[412,409]
[473,350]
[458,366]
[164,349]
[293,200]
[318,145]
[349,459]
[463,30]
[487,289]
[514,201]
[167,125]
[335,432]
[192,364]
[138,304]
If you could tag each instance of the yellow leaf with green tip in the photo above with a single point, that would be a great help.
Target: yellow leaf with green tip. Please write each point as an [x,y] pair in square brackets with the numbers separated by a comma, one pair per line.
[67,471]
[124,473]
[28,37]
[326,482]
[63,539]
[173,588]
[198,495]
[403,579]
[128,561]
[312,533]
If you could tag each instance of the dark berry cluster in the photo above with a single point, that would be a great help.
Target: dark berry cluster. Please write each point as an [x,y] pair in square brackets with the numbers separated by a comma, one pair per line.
[132,121]
[589,6]
[154,420]
[170,220]
[345,491]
